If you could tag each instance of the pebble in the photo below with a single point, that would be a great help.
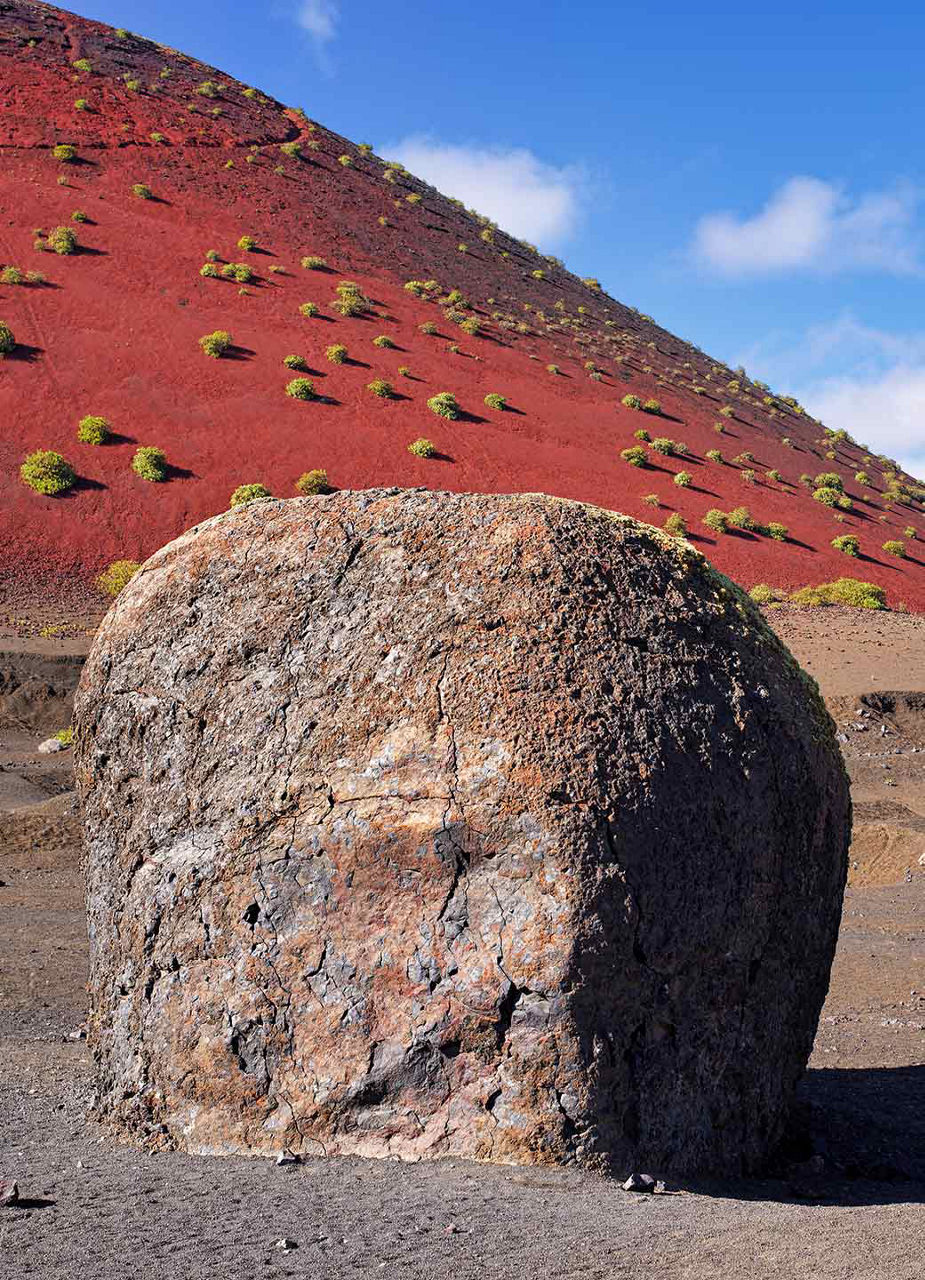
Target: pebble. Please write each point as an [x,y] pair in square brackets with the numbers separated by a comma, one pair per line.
[9,1192]
[286,1245]
[50,745]
[288,1157]
[643,1182]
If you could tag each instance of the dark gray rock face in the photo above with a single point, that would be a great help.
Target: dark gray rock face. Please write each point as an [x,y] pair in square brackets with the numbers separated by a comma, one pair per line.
[423,824]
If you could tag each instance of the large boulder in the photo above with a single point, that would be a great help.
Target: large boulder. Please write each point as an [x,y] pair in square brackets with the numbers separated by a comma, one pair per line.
[422,824]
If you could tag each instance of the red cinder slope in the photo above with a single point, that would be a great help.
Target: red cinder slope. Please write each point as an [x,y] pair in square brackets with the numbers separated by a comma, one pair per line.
[114,329]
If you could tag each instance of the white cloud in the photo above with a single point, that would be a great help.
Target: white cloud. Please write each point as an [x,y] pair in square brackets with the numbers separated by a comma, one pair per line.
[513,187]
[886,412]
[850,375]
[813,225]
[319,18]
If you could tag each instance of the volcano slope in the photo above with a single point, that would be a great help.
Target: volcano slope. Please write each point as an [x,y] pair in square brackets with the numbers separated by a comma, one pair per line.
[201,204]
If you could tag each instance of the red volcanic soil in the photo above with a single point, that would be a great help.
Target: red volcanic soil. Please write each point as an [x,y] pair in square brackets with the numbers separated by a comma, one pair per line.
[114,331]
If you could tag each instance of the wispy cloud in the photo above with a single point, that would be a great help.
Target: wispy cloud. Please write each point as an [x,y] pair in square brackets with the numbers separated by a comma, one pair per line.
[848,374]
[808,224]
[524,195]
[319,18]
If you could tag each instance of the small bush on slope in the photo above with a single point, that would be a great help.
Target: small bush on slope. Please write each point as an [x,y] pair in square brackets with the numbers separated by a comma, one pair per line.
[47,472]
[494,401]
[636,456]
[896,548]
[336,353]
[216,344]
[150,463]
[93,430]
[117,576]
[300,389]
[850,591]
[444,405]
[848,544]
[311,483]
[248,493]
[422,448]
[7,340]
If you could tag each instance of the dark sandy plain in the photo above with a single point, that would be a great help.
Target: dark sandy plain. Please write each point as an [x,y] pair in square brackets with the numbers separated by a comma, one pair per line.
[846,1199]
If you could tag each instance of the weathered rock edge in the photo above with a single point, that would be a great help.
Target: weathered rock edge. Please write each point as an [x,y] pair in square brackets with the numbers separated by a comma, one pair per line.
[422,824]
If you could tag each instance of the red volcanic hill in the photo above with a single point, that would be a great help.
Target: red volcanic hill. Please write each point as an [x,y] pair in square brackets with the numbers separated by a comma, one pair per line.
[113,330]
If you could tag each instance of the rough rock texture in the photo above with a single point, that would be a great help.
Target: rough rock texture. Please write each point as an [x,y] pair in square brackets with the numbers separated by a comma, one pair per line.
[424,824]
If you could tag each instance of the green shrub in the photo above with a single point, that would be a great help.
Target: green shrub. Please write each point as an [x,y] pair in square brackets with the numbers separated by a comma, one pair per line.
[404,371]
[676,525]
[748,476]
[308,309]
[239,271]
[631,402]
[209,270]
[47,472]
[7,339]
[642,435]
[81,104]
[714,455]
[300,389]
[142,191]
[651,499]
[662,445]
[64,152]
[909,532]
[849,591]
[471,326]
[150,464]
[829,480]
[778,531]
[727,411]
[719,427]
[295,362]
[212,255]
[552,368]
[93,430]
[774,474]
[384,342]
[345,160]
[636,456]
[847,543]
[743,457]
[82,64]
[79,216]
[495,401]
[716,520]
[427,327]
[422,448]
[444,405]
[827,496]
[336,353]
[312,483]
[62,240]
[379,387]
[208,89]
[350,301]
[248,493]
[741,518]
[215,344]
[683,479]
[862,478]
[761,593]
[313,263]
[895,548]
[117,576]
[12,275]
[652,406]
[157,137]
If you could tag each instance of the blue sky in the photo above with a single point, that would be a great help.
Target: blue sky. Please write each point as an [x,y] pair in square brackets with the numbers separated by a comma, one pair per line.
[753,180]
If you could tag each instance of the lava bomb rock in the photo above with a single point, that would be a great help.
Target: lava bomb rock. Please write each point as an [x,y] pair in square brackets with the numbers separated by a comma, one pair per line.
[425,824]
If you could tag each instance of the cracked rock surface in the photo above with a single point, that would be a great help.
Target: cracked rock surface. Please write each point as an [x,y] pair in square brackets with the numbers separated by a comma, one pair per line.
[422,824]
